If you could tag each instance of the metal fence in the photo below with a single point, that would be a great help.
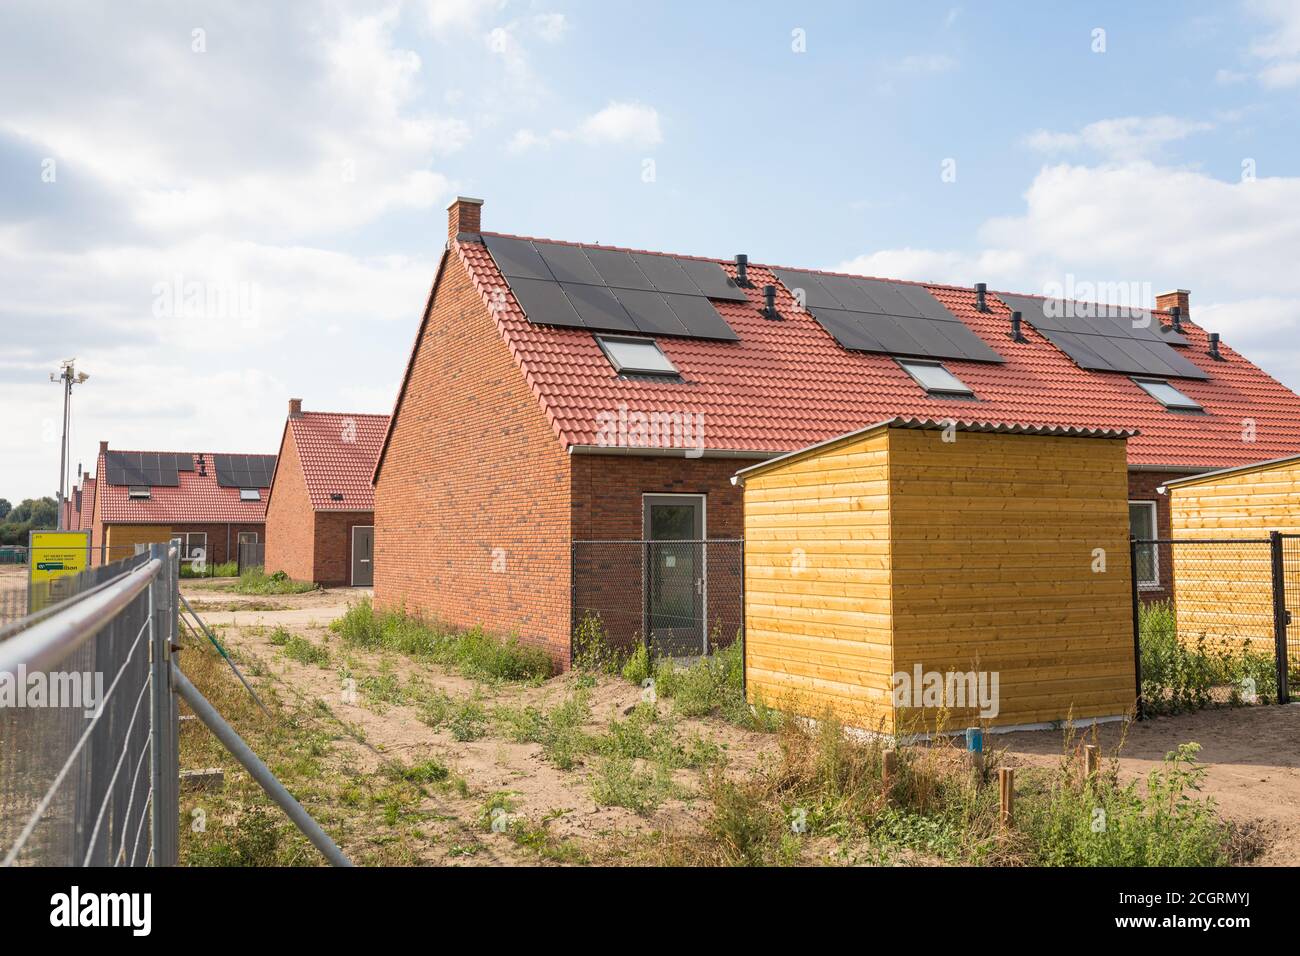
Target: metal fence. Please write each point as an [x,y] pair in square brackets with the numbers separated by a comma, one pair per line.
[88,732]
[679,598]
[1211,621]
[252,554]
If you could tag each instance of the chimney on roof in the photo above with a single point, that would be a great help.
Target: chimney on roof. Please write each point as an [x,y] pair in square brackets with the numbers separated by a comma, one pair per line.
[203,466]
[1016,334]
[1214,346]
[295,408]
[1176,317]
[769,302]
[742,269]
[981,290]
[103,447]
[1179,297]
[464,215]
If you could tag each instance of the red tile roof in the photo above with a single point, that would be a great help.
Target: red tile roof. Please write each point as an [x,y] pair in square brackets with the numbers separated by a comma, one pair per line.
[787,384]
[338,451]
[87,503]
[196,499]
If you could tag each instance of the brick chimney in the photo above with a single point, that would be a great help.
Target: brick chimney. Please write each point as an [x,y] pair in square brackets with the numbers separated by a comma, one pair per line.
[103,447]
[1179,297]
[464,215]
[295,408]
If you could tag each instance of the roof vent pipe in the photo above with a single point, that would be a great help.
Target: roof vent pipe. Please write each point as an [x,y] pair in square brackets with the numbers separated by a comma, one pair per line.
[769,302]
[1016,334]
[981,290]
[742,269]
[1176,315]
[1214,346]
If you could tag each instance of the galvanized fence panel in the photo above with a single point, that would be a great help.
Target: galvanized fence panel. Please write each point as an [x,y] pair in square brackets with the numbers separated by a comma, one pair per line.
[679,598]
[81,780]
[252,554]
[1206,624]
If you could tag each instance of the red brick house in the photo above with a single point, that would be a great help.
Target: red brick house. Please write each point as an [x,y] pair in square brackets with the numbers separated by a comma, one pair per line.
[208,503]
[79,508]
[320,510]
[558,393]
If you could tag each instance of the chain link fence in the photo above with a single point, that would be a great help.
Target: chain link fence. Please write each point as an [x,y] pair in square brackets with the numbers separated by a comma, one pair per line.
[1210,622]
[89,768]
[679,598]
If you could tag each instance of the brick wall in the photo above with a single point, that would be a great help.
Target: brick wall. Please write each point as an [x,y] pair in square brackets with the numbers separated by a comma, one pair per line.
[607,506]
[290,520]
[472,500]
[333,545]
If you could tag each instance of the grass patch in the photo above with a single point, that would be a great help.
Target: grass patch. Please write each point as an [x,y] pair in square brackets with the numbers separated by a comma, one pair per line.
[257,581]
[300,649]
[473,652]
[465,718]
[558,730]
[226,569]
[714,686]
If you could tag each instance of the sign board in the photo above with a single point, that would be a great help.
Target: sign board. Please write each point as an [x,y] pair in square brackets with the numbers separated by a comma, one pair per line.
[52,555]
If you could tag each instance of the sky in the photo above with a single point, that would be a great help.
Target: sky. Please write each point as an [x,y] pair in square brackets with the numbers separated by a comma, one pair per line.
[216,206]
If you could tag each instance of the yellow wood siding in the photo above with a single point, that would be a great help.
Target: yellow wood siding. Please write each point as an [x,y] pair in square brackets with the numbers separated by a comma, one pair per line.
[1221,592]
[121,538]
[897,548]
[817,592]
[993,544]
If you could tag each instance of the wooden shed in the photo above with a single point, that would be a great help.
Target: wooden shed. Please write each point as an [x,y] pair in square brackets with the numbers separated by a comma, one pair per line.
[1222,591]
[898,576]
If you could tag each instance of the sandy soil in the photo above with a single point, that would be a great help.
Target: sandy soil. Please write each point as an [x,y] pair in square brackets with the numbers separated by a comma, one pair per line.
[1251,753]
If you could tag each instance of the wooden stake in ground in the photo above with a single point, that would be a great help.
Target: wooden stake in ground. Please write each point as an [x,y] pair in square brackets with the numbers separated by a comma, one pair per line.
[1090,760]
[888,770]
[1007,793]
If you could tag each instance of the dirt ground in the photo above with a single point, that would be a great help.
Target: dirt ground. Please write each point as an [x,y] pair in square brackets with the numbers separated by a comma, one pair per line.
[1251,753]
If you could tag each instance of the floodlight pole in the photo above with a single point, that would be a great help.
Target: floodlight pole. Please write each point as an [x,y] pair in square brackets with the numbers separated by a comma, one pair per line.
[69,377]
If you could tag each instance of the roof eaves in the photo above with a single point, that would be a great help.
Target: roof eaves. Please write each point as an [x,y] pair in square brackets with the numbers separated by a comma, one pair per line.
[1224,472]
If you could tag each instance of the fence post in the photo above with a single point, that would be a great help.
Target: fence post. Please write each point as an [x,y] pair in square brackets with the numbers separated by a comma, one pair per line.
[1137,626]
[645,601]
[1279,616]
[573,596]
[164,772]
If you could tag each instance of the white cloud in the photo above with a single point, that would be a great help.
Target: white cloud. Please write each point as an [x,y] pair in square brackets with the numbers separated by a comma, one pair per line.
[618,124]
[447,16]
[1280,48]
[1123,137]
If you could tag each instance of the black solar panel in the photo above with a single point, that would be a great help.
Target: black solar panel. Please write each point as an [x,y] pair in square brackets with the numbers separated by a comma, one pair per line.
[244,471]
[1132,342]
[141,468]
[876,315]
[605,290]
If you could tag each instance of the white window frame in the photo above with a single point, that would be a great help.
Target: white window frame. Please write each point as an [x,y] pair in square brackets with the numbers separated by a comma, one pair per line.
[1188,405]
[906,364]
[605,341]
[189,547]
[243,536]
[1152,584]
[250,494]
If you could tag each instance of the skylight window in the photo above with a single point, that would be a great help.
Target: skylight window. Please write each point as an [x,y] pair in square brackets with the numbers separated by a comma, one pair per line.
[1168,396]
[249,494]
[635,356]
[936,379]
[138,491]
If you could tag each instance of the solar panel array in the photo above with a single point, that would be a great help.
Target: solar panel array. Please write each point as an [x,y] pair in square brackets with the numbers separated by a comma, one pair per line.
[877,315]
[606,290]
[244,471]
[1134,344]
[155,468]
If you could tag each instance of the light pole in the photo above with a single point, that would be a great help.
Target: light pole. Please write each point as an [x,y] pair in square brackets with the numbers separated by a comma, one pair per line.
[69,376]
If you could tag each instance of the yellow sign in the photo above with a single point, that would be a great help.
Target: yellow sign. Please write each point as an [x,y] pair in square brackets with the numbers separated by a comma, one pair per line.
[57,554]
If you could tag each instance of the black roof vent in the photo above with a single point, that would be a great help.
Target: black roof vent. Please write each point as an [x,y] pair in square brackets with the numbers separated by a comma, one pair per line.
[1214,347]
[742,269]
[981,292]
[336,496]
[203,468]
[1176,315]
[769,302]
[1016,334]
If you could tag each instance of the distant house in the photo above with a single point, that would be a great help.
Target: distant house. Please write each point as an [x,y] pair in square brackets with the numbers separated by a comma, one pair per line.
[208,503]
[320,510]
[559,392]
[79,507]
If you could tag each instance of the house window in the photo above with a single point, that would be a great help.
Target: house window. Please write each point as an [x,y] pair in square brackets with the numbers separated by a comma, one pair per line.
[247,537]
[936,379]
[249,494]
[196,545]
[1142,525]
[1168,396]
[137,491]
[635,356]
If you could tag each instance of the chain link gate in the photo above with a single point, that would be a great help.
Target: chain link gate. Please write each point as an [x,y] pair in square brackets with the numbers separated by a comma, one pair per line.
[1211,621]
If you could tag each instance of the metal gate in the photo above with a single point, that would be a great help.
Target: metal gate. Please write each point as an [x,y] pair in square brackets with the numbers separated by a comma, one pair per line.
[1212,621]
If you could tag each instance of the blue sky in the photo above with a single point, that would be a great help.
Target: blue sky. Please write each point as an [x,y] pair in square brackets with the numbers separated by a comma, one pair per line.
[292,162]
